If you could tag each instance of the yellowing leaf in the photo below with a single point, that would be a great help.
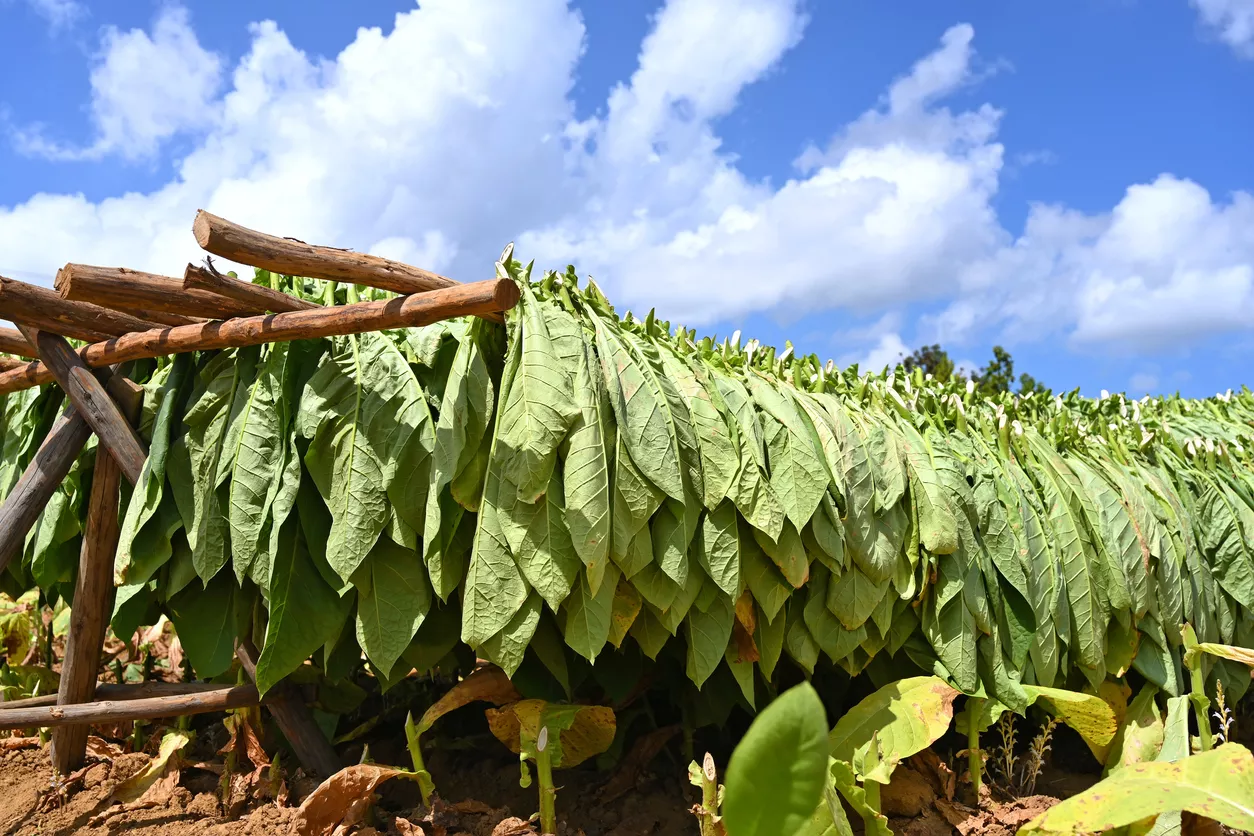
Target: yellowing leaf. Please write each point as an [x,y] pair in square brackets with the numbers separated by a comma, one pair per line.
[575,732]
[1218,785]
[488,684]
[906,717]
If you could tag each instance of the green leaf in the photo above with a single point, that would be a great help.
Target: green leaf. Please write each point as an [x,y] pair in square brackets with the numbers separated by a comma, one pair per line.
[205,621]
[586,469]
[393,597]
[305,611]
[371,440]
[777,773]
[538,407]
[546,554]
[1218,785]
[586,616]
[708,635]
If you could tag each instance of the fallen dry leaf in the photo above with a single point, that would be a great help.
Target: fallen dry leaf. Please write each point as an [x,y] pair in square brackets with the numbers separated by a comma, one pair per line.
[470,805]
[98,747]
[407,828]
[12,744]
[164,763]
[333,800]
[513,826]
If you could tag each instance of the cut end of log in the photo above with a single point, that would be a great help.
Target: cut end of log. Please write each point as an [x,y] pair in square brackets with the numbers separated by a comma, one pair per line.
[202,228]
[506,294]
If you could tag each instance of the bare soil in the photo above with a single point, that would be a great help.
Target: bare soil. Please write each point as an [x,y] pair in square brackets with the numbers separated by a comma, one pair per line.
[482,797]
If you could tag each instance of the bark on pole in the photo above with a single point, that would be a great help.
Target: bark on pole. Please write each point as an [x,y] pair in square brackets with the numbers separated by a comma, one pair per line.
[12,342]
[39,307]
[93,591]
[296,258]
[91,401]
[106,691]
[474,299]
[118,287]
[311,746]
[50,465]
[10,363]
[83,715]
[254,295]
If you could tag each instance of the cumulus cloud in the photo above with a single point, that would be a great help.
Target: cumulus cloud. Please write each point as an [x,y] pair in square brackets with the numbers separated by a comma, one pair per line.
[1232,21]
[1167,266]
[146,87]
[438,141]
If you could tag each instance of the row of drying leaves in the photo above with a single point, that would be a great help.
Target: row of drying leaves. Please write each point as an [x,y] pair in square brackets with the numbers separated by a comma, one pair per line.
[788,774]
[597,481]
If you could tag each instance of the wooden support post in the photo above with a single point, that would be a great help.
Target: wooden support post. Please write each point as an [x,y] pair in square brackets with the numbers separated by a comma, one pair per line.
[308,742]
[92,402]
[106,691]
[8,364]
[28,304]
[475,299]
[118,287]
[93,589]
[83,715]
[265,298]
[12,342]
[51,463]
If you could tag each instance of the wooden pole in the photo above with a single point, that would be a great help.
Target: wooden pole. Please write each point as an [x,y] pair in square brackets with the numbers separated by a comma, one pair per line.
[51,463]
[296,258]
[118,287]
[93,588]
[12,342]
[122,691]
[28,304]
[253,295]
[85,714]
[474,299]
[92,402]
[311,746]
[8,364]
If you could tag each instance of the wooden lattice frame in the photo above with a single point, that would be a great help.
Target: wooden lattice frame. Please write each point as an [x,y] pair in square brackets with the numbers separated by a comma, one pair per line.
[127,315]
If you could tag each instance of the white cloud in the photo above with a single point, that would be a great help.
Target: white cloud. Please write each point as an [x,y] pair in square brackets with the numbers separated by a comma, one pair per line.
[145,89]
[889,351]
[440,140]
[1232,21]
[1168,266]
[887,213]
[58,13]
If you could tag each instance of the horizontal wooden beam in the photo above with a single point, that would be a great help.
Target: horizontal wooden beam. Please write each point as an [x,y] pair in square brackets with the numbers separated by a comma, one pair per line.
[296,258]
[12,342]
[253,295]
[41,308]
[122,691]
[149,708]
[10,363]
[476,299]
[131,290]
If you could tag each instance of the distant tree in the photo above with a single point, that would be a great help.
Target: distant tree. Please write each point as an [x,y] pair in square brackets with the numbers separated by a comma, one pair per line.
[997,376]
[931,359]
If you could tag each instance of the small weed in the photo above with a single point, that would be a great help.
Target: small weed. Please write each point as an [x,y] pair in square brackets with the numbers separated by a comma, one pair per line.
[1223,714]
[1034,760]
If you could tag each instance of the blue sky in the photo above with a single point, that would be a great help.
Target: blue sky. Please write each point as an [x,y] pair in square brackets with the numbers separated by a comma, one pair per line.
[1071,180]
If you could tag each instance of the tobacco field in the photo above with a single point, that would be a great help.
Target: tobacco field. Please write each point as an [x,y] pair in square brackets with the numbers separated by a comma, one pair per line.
[601,504]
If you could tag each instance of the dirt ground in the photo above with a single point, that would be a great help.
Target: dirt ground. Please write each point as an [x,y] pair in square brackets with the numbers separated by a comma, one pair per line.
[482,798]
